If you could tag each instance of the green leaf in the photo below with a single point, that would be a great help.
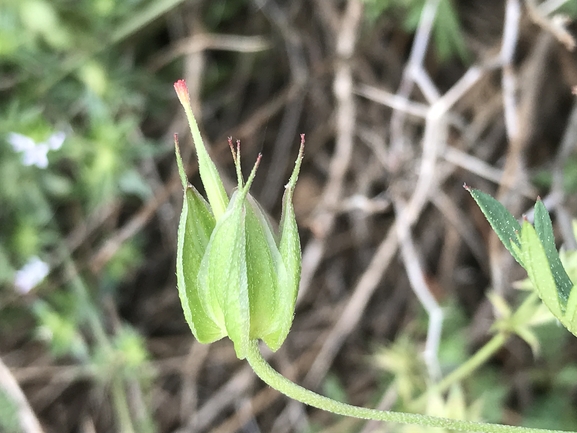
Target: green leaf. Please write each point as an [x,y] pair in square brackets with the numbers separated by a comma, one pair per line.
[544,229]
[537,267]
[448,34]
[570,319]
[290,251]
[503,223]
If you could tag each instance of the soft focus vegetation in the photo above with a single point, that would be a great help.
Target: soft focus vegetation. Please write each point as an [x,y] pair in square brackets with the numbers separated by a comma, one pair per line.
[90,323]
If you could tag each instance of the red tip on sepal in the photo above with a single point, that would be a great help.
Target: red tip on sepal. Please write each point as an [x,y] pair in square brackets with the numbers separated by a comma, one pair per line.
[182,92]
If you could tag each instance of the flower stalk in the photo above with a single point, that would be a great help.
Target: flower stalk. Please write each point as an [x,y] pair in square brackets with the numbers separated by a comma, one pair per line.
[277,381]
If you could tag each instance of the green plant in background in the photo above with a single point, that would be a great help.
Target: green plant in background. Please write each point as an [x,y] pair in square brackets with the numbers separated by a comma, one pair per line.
[73,102]
[9,420]
[447,34]
[70,129]
[236,279]
[533,247]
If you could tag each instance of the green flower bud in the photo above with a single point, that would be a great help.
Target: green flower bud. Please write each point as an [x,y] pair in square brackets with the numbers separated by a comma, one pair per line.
[235,276]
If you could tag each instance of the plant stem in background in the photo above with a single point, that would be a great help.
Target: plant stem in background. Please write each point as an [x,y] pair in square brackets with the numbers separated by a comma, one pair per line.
[121,406]
[466,369]
[275,380]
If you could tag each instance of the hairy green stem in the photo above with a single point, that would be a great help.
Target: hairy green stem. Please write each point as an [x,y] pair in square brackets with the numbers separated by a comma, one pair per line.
[297,392]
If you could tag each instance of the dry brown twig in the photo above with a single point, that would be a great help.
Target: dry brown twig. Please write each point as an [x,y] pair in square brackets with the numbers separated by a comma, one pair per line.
[345,119]
[556,24]
[9,385]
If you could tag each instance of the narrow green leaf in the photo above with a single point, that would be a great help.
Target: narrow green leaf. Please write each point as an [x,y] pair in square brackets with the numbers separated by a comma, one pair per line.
[544,229]
[537,267]
[503,223]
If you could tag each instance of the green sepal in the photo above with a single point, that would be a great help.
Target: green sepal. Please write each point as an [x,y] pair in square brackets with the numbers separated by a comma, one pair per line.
[223,276]
[503,223]
[194,230]
[544,229]
[208,172]
[265,273]
[290,251]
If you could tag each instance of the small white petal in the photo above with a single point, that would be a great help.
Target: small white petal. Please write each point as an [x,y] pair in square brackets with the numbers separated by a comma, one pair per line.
[55,141]
[37,156]
[31,274]
[19,142]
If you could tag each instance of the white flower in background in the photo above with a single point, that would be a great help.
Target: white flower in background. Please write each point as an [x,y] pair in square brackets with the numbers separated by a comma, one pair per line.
[35,153]
[31,274]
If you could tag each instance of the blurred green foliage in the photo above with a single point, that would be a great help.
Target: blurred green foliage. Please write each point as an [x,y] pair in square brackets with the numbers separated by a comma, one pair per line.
[483,394]
[447,34]
[9,421]
[544,177]
[73,70]
[79,67]
[55,81]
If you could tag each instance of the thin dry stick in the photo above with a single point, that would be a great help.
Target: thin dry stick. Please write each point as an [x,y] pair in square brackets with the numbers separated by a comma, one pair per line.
[433,139]
[293,109]
[206,41]
[28,421]
[387,249]
[223,398]
[345,122]
[555,25]
[550,6]
[462,225]
[345,132]
[484,170]
[194,361]
[354,308]
[421,289]
[518,121]
[415,63]
[392,100]
[510,37]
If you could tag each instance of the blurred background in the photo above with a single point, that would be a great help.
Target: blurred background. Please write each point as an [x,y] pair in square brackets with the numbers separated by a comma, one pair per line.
[401,101]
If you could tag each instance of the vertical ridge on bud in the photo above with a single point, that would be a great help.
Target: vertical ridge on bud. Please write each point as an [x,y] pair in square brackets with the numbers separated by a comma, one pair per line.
[194,230]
